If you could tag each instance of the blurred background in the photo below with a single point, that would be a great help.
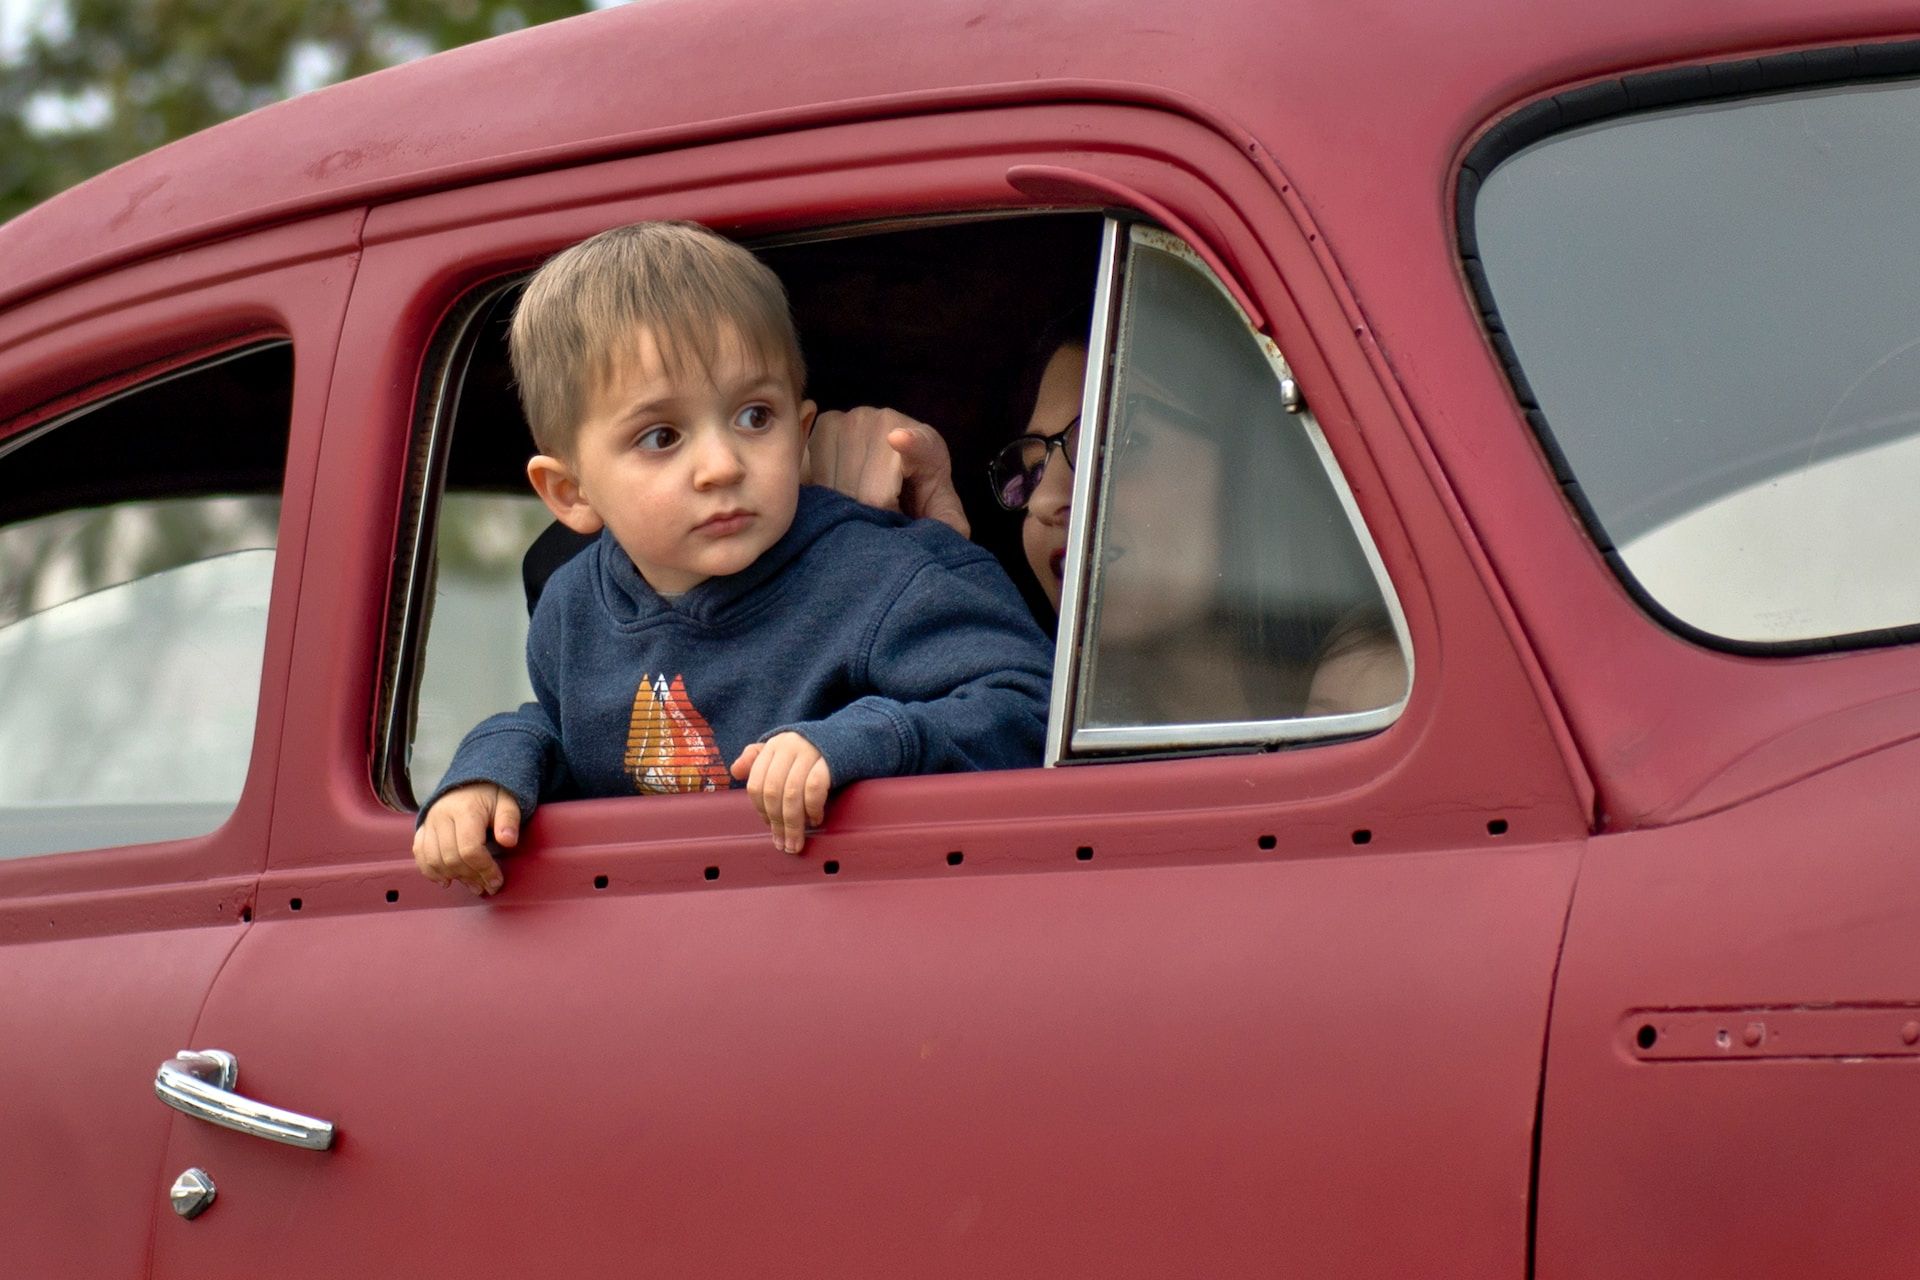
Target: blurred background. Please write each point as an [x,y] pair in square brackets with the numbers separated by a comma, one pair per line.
[86,84]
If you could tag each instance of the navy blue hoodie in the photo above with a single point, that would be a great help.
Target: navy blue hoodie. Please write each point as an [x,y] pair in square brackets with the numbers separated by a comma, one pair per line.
[894,647]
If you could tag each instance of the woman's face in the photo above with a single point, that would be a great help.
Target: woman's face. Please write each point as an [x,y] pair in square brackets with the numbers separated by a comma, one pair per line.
[1044,532]
[1160,556]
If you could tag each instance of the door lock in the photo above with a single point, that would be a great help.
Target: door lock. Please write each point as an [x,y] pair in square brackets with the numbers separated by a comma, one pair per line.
[192,1192]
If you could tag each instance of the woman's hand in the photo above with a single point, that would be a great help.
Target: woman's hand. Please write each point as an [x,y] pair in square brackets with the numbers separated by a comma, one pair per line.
[885,459]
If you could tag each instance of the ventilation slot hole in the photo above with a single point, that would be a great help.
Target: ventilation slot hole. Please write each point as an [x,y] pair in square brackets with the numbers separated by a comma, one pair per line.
[1084,853]
[712,873]
[955,858]
[293,904]
[599,882]
[1498,827]
[246,915]
[1268,842]
[393,895]
[1646,1036]
[831,867]
[1363,836]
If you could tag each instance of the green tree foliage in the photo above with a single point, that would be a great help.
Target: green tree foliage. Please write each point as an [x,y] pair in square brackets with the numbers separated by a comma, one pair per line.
[101,81]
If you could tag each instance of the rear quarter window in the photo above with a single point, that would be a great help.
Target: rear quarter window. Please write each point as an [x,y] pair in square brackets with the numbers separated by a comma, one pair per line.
[1715,309]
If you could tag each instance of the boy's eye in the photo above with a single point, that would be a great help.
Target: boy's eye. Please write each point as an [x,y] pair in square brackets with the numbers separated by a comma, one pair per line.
[654,439]
[755,417]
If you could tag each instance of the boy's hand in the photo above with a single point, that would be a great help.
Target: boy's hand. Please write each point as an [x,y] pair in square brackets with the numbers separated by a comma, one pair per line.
[885,459]
[789,780]
[452,843]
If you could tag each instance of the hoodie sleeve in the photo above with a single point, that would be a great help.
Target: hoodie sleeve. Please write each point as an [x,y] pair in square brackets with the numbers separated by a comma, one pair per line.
[517,750]
[962,677]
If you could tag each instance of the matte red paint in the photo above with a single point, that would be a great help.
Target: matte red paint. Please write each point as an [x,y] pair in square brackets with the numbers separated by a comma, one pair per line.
[107,956]
[1178,840]
[947,1072]
[1785,1166]
[1191,1054]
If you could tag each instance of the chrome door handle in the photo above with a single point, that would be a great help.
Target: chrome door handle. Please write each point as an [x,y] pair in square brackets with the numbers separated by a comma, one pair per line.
[200,1083]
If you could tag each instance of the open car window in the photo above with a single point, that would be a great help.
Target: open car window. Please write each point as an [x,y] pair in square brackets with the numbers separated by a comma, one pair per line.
[137,541]
[1231,597]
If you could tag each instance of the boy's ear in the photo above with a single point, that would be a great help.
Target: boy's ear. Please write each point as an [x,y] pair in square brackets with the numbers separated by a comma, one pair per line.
[557,486]
[808,411]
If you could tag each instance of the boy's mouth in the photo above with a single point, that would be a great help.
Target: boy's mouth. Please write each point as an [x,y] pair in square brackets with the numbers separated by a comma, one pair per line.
[726,522]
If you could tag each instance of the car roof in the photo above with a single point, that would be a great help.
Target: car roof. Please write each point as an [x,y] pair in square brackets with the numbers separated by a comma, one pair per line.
[1358,91]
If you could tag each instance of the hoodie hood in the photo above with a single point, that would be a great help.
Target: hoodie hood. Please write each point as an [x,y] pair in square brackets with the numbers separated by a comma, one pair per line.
[631,601]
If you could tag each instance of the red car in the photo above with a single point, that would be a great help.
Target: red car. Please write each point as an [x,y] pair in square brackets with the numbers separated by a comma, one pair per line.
[1562,360]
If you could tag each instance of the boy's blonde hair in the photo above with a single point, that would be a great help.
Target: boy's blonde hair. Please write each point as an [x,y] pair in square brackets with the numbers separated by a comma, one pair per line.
[687,286]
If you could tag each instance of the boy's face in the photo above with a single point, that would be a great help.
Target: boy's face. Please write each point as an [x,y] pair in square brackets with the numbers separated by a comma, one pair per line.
[696,475]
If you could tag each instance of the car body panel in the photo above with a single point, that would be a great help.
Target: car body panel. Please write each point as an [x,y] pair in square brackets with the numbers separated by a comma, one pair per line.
[1069,1069]
[87,1021]
[1777,918]
[920,951]
[1300,1012]
[109,954]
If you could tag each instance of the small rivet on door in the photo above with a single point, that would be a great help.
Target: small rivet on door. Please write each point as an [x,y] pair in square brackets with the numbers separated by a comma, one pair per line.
[1755,1033]
[1910,1034]
[192,1192]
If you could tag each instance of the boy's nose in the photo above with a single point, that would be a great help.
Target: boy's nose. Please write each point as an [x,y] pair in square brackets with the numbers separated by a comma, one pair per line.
[716,461]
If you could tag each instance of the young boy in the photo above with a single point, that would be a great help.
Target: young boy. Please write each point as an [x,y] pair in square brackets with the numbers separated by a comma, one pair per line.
[728,624]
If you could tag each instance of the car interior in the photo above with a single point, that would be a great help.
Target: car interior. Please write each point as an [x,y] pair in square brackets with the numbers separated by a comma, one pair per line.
[937,321]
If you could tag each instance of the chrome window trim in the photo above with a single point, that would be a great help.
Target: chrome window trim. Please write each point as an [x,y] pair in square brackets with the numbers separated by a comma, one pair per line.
[1103,742]
[1233,733]
[1093,414]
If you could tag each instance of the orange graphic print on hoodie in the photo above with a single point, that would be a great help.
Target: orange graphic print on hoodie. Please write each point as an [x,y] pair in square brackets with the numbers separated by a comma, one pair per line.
[670,746]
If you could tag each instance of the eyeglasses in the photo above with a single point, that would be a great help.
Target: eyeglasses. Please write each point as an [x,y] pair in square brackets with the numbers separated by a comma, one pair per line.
[1016,471]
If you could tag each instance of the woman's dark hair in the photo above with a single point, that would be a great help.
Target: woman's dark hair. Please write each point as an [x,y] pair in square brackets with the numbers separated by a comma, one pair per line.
[1068,329]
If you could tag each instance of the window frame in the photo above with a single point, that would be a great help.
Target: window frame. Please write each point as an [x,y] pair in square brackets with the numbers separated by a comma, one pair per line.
[447,363]
[424,253]
[120,331]
[1068,740]
[445,366]
[134,385]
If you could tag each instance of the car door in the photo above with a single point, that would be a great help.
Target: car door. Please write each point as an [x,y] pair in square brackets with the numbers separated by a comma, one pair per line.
[1234,994]
[159,429]
[1733,1056]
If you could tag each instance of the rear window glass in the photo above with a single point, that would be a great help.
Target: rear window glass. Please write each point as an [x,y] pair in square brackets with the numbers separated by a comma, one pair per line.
[137,545]
[1717,309]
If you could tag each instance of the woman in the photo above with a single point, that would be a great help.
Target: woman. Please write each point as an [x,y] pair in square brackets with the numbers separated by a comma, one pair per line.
[1181,632]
